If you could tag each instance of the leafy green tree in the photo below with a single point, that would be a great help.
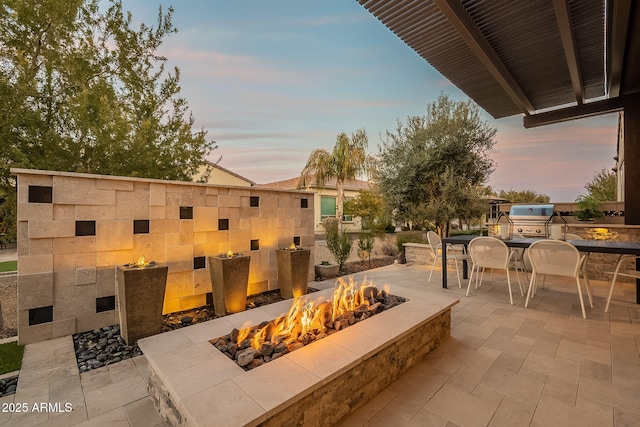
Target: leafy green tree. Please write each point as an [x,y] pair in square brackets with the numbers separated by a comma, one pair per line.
[523,196]
[348,160]
[371,208]
[82,91]
[431,166]
[603,186]
[338,242]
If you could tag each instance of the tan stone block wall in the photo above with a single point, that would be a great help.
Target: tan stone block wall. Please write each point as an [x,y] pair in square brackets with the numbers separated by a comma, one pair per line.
[79,269]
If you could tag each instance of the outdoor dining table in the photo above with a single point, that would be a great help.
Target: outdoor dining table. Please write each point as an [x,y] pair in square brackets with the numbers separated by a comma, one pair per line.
[587,246]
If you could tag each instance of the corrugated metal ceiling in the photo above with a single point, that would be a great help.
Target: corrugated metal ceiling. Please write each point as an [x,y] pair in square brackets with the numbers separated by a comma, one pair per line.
[522,36]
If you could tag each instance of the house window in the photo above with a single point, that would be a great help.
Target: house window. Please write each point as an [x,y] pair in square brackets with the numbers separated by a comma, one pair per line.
[327,207]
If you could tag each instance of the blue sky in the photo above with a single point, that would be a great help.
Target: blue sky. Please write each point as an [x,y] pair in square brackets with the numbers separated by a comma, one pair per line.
[272,80]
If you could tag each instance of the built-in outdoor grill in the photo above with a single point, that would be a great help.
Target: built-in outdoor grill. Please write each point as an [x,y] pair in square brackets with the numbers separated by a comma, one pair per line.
[530,220]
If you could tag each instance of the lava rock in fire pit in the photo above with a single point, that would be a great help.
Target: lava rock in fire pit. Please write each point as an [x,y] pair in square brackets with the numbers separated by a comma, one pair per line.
[276,338]
[186,320]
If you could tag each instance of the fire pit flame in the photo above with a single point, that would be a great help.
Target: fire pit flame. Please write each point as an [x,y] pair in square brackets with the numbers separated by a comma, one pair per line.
[311,316]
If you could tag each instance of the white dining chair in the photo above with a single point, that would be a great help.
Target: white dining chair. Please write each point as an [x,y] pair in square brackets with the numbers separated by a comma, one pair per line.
[622,272]
[556,258]
[455,252]
[489,252]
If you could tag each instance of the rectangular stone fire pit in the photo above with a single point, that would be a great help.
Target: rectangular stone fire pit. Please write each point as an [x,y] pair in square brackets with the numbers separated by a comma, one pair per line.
[193,384]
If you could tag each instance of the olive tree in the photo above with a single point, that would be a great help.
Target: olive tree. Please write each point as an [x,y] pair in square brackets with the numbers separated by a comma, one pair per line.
[432,167]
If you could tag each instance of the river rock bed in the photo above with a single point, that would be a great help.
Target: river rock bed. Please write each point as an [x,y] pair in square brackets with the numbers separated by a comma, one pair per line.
[104,346]
[8,386]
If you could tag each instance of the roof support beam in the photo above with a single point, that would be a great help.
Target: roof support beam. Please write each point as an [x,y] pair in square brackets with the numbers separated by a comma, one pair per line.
[617,26]
[582,111]
[457,15]
[561,8]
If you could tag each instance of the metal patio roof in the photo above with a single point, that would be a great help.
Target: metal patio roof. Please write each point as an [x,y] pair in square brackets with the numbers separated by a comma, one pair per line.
[551,60]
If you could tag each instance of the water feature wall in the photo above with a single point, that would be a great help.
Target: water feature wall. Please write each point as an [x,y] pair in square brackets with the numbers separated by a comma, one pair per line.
[75,229]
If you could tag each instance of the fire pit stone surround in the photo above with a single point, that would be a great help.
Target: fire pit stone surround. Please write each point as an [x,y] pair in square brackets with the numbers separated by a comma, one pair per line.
[192,383]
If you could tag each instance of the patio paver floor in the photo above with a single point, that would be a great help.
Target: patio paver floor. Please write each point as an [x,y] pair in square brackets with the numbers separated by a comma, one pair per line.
[504,365]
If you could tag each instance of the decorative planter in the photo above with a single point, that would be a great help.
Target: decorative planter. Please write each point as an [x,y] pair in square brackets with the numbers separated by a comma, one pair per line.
[140,300]
[229,283]
[327,271]
[293,272]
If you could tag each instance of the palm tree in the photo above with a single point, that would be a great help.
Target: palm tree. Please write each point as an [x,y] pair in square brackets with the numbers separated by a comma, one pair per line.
[347,160]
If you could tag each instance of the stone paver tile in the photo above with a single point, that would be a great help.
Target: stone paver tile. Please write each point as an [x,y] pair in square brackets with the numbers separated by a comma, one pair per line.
[230,404]
[142,365]
[449,402]
[425,379]
[625,372]
[5,401]
[369,410]
[508,345]
[122,370]
[579,351]
[113,418]
[562,368]
[551,412]
[600,371]
[141,413]
[520,388]
[185,357]
[196,378]
[594,390]
[76,416]
[618,328]
[32,376]
[31,395]
[27,419]
[110,397]
[625,417]
[508,362]
[408,402]
[67,390]
[386,417]
[273,387]
[561,390]
[95,379]
[513,413]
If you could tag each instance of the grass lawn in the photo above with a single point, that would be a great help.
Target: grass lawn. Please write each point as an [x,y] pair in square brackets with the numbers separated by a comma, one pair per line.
[10,357]
[8,266]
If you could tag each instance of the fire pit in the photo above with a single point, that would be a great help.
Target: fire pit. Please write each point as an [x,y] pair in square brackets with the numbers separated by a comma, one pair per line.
[306,322]
[192,383]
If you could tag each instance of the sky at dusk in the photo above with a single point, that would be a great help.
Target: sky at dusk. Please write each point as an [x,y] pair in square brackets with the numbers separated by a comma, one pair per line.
[272,80]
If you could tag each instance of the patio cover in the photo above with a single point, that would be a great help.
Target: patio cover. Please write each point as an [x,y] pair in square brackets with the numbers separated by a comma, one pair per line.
[550,60]
[575,57]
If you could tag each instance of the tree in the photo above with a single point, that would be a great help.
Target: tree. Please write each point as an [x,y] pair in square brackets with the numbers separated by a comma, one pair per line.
[603,186]
[523,196]
[82,91]
[338,243]
[348,160]
[433,166]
